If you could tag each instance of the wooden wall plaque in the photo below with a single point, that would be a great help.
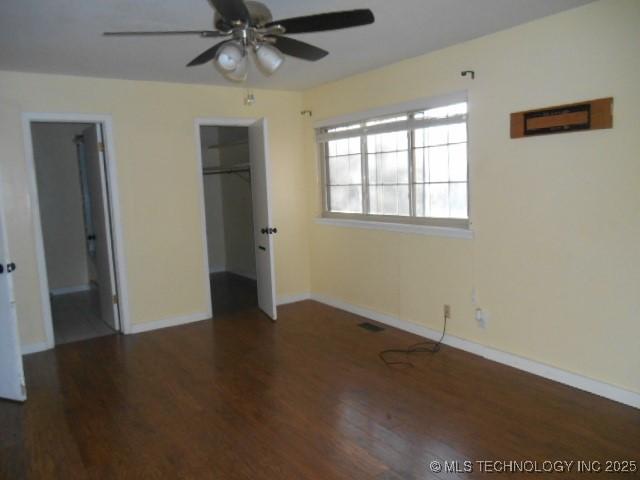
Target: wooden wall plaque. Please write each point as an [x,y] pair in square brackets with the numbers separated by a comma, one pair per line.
[589,115]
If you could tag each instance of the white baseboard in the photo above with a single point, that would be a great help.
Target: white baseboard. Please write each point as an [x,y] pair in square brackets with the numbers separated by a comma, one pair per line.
[168,322]
[296,297]
[34,348]
[66,290]
[552,373]
[217,269]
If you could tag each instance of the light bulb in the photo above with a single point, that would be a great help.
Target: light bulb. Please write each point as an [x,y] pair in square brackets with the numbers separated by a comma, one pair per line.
[229,56]
[239,74]
[269,58]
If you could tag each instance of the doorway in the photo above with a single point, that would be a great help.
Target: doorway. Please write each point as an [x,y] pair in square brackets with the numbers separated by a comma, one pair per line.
[236,216]
[77,243]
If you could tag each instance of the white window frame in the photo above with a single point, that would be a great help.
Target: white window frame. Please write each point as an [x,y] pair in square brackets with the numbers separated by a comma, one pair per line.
[456,227]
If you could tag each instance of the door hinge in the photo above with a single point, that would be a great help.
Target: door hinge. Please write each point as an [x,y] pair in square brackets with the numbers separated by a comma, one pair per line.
[115,299]
[101,146]
[23,389]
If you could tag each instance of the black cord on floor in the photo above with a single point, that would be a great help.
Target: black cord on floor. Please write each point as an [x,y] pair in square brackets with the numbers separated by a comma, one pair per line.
[428,346]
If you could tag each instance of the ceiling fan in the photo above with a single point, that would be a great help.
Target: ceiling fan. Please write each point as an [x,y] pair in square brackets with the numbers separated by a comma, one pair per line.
[249,26]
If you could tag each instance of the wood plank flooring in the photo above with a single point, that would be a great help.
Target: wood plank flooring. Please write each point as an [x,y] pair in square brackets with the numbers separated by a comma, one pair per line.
[241,397]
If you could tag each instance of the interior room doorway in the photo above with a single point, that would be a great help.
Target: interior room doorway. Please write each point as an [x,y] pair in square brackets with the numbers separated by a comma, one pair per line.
[74,213]
[239,233]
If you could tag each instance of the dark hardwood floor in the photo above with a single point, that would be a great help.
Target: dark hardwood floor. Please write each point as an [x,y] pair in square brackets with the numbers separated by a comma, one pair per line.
[305,397]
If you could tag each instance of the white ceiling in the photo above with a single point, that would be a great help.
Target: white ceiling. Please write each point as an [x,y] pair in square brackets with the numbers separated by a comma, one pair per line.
[64,36]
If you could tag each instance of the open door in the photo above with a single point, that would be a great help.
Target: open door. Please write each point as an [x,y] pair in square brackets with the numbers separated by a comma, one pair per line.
[12,385]
[102,254]
[263,230]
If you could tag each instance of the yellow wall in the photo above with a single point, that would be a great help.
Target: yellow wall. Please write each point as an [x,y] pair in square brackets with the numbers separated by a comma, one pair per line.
[556,257]
[158,179]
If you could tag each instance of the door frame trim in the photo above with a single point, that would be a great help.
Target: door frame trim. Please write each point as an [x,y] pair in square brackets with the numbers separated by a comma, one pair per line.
[222,122]
[106,122]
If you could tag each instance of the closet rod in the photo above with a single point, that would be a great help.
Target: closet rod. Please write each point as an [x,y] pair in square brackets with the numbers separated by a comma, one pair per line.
[220,171]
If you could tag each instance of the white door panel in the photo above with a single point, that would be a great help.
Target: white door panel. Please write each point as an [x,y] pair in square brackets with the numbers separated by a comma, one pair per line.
[103,260]
[263,240]
[11,375]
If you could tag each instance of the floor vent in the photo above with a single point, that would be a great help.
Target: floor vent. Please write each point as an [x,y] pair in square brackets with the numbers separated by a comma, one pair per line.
[371,327]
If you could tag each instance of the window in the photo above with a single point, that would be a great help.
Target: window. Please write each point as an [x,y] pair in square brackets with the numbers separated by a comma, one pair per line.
[407,168]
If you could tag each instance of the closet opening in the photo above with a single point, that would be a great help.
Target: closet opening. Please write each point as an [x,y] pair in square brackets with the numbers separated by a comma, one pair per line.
[239,237]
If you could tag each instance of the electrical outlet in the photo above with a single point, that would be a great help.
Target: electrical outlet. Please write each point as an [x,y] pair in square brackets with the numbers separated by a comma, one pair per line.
[447,311]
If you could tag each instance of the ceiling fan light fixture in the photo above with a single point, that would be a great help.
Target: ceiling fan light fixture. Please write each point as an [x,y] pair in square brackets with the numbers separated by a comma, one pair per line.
[240,72]
[229,57]
[269,58]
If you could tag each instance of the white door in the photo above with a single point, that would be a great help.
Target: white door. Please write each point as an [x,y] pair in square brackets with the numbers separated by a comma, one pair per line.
[263,230]
[100,213]
[11,375]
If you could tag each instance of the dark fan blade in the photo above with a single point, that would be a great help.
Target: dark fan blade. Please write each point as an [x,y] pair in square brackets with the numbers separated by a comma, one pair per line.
[231,9]
[202,33]
[206,56]
[326,21]
[299,49]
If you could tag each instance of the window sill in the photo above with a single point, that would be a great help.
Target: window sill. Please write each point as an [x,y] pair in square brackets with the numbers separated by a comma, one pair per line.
[431,230]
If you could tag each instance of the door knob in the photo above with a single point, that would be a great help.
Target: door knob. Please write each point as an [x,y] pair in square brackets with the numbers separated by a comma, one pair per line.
[11,267]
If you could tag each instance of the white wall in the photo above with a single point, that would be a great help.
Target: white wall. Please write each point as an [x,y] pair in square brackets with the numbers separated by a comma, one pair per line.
[60,199]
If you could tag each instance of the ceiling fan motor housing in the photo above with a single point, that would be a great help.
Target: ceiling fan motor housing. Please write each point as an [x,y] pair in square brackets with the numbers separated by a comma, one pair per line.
[259,13]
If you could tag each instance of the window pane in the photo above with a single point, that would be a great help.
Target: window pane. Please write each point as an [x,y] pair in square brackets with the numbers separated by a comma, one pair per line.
[457,109]
[437,135]
[443,112]
[439,164]
[439,199]
[421,197]
[458,163]
[342,146]
[382,121]
[437,167]
[387,142]
[332,147]
[458,133]
[389,200]
[389,168]
[420,172]
[458,200]
[345,170]
[344,128]
[354,145]
[419,137]
[345,199]
[440,112]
